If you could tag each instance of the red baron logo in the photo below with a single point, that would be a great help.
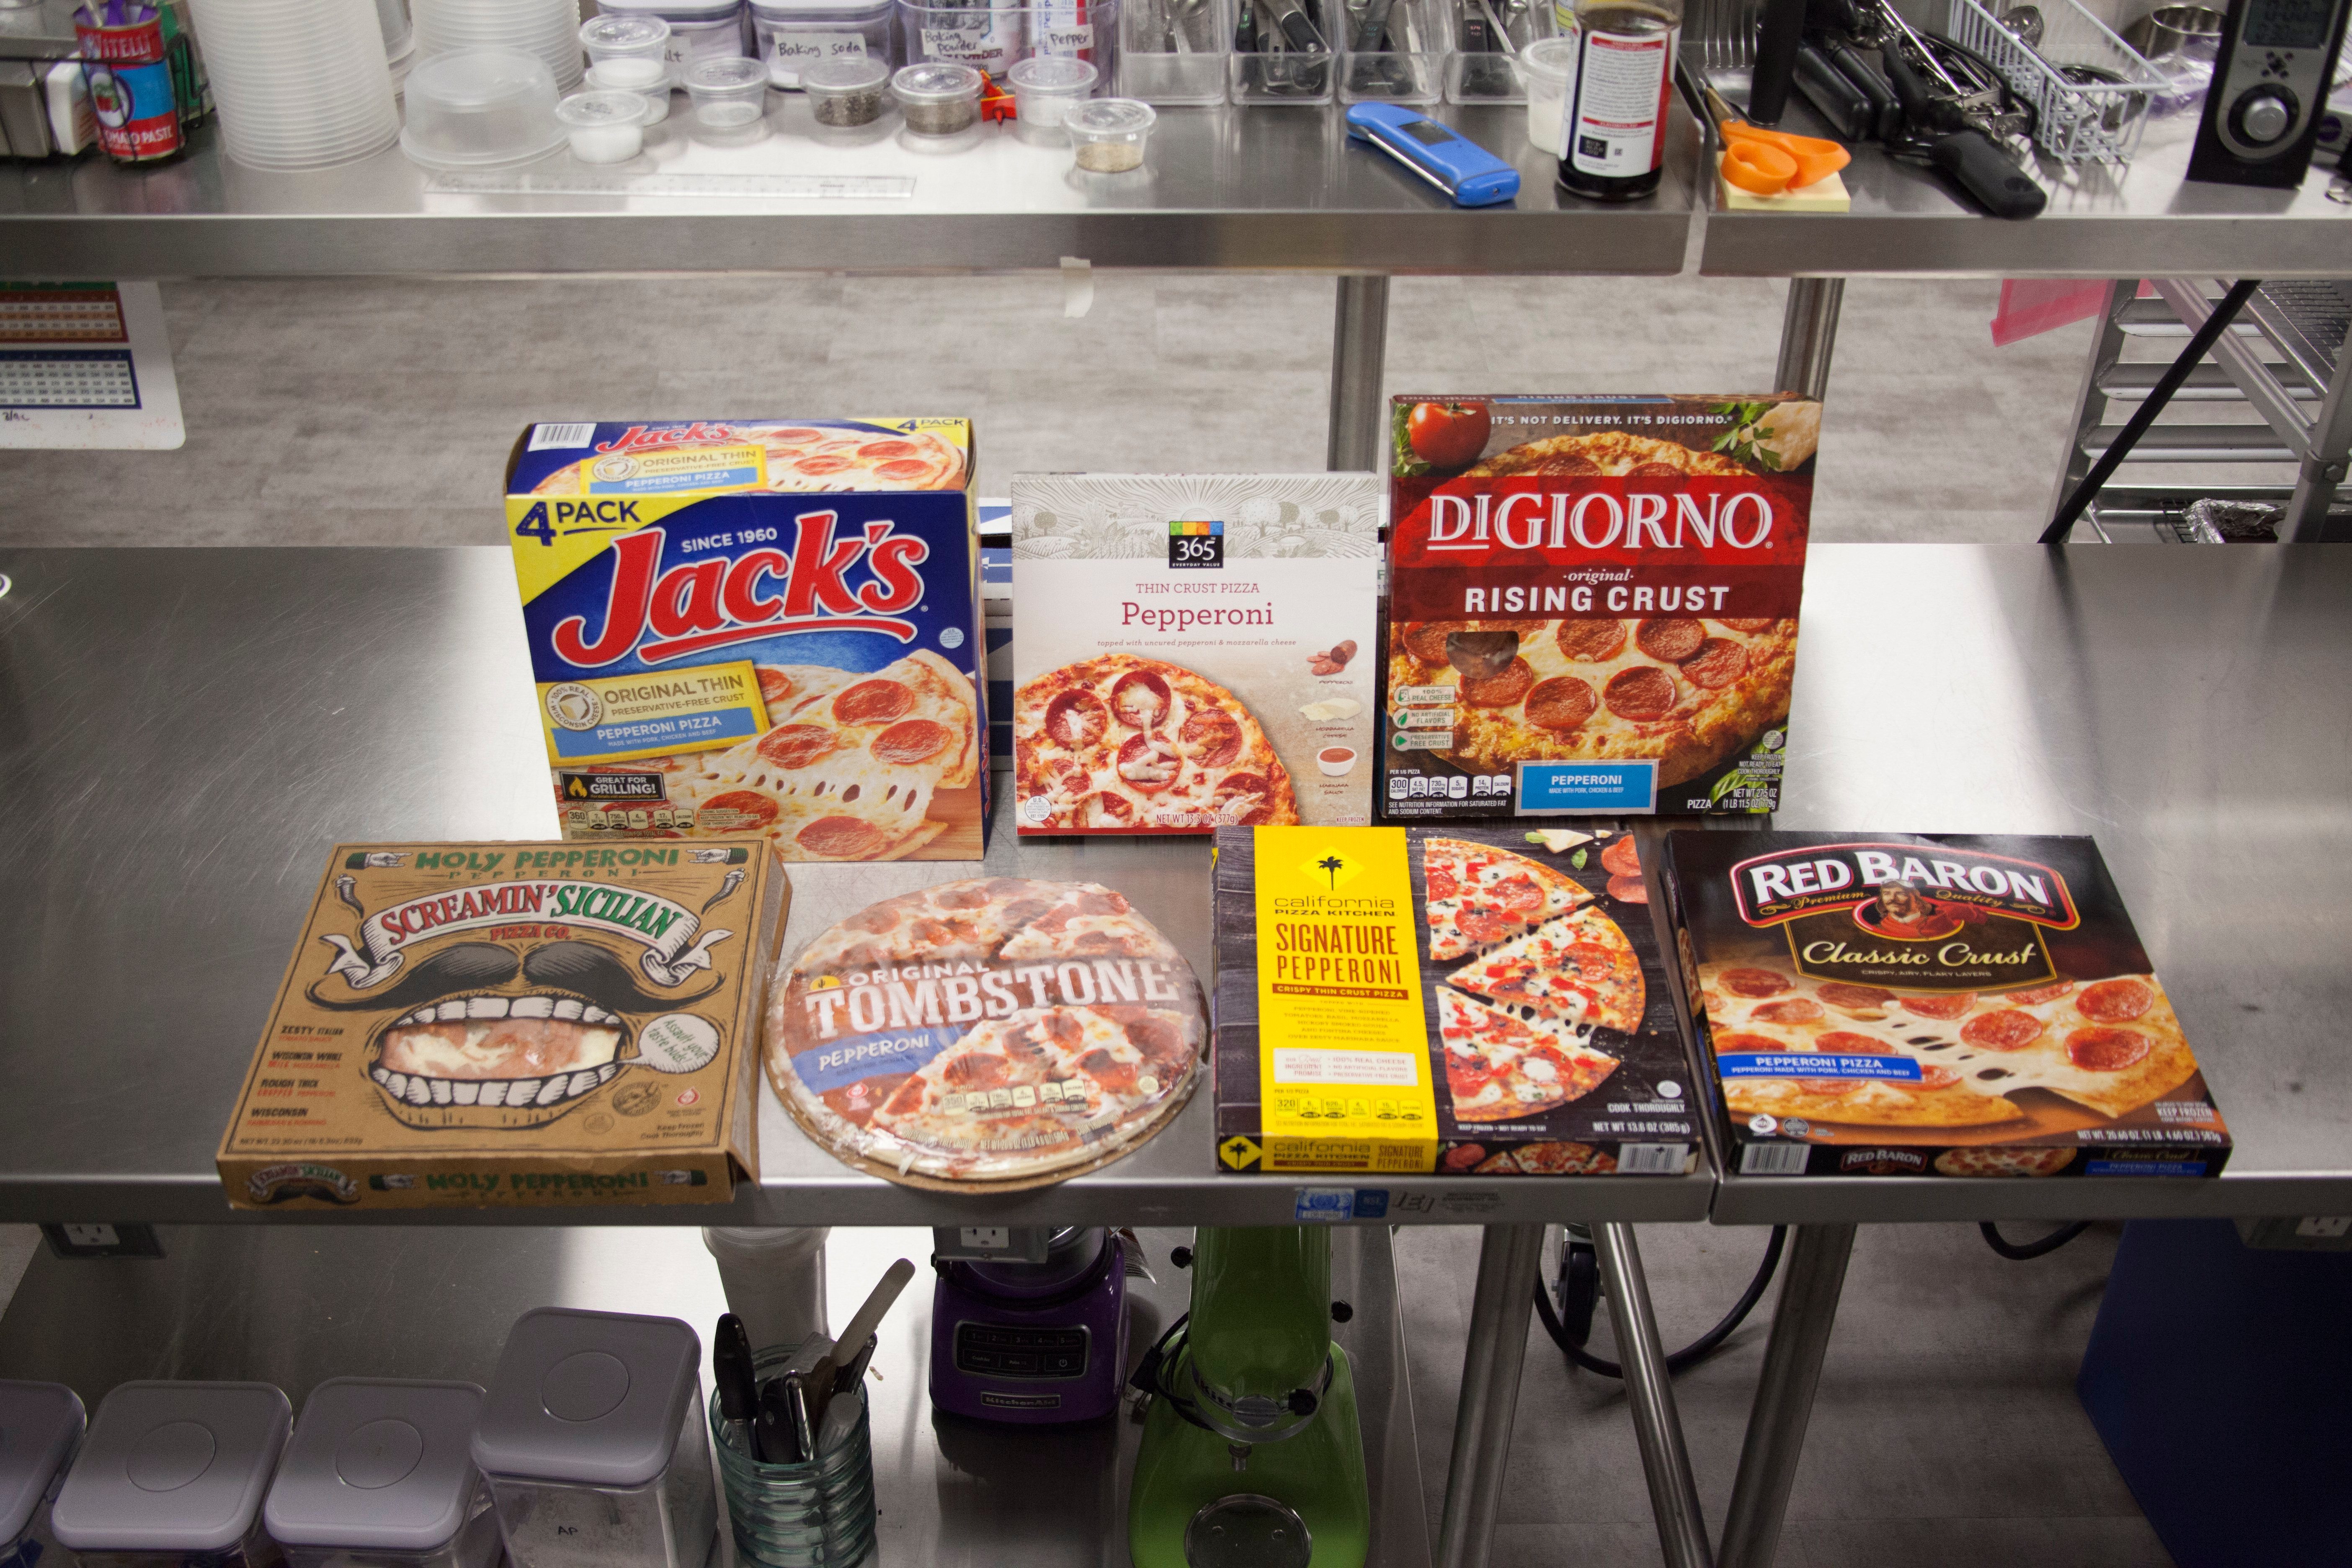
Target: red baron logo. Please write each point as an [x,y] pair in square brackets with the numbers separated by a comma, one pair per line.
[1772,889]
[1882,1161]
[648,438]
[714,602]
[1696,516]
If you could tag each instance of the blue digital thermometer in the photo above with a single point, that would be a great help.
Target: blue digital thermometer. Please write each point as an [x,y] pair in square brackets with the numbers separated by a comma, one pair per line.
[1466,171]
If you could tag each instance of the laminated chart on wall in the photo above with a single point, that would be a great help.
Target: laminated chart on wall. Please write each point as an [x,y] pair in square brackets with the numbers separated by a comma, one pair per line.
[85,366]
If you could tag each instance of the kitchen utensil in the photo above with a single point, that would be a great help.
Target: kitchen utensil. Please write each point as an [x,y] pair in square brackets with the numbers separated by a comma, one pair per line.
[812,1513]
[1778,37]
[862,1324]
[776,1433]
[852,1375]
[796,1402]
[2177,29]
[2088,91]
[730,1371]
[1468,175]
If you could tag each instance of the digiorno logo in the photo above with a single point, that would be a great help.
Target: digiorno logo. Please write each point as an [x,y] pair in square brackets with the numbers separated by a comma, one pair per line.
[662,612]
[1900,878]
[1702,512]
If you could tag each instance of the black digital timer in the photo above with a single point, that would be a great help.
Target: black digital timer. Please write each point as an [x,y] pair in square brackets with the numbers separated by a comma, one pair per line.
[2270,89]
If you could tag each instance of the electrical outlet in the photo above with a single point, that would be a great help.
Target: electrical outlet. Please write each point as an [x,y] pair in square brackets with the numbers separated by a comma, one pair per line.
[121,1239]
[986,1237]
[2323,1227]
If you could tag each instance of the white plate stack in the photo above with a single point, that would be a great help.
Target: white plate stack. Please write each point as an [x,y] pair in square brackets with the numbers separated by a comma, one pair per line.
[548,29]
[301,84]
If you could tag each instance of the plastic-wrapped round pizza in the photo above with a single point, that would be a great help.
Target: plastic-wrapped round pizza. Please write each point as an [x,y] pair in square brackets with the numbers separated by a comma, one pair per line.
[999,1031]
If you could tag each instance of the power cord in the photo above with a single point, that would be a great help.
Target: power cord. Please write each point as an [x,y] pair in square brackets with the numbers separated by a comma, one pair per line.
[2027,1251]
[1571,1324]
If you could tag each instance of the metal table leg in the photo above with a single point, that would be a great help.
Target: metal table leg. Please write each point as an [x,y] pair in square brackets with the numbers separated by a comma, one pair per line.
[1665,1461]
[1359,344]
[2324,461]
[1508,1261]
[2091,407]
[1808,334]
[1810,1284]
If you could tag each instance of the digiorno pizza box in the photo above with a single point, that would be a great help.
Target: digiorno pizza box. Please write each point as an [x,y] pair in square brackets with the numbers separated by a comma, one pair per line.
[543,1024]
[758,626]
[1934,1004]
[1193,650]
[1593,603]
[1477,1001]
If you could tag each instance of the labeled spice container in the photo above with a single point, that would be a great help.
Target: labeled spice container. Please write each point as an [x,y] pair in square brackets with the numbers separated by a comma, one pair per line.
[1044,86]
[379,1474]
[843,94]
[731,99]
[604,127]
[171,1475]
[938,98]
[593,1442]
[648,79]
[792,35]
[698,29]
[40,1423]
[1108,133]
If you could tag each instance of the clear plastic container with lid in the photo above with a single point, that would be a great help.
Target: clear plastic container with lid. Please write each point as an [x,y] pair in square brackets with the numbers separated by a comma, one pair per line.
[847,99]
[172,1475]
[40,1423]
[1044,86]
[603,127]
[594,1445]
[649,78]
[1108,133]
[379,1474]
[792,35]
[731,101]
[627,38]
[698,29]
[939,99]
[480,109]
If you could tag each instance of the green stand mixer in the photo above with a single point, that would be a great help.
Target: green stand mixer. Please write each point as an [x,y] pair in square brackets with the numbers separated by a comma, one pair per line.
[1251,1454]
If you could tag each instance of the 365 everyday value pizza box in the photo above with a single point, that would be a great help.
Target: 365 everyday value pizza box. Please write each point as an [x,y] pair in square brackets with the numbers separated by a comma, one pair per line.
[1593,603]
[1899,1003]
[1476,1001]
[765,626]
[1193,650]
[514,1025]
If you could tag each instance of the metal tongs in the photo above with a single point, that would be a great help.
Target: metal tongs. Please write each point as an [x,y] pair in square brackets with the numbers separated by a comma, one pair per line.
[1289,31]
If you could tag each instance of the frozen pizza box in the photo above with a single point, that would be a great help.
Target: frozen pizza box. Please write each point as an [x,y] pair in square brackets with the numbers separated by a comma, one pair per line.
[1192,650]
[541,1025]
[758,625]
[1593,603]
[1476,1001]
[1901,1004]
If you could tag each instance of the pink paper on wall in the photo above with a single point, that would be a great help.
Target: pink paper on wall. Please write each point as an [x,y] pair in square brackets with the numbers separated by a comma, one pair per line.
[2032,306]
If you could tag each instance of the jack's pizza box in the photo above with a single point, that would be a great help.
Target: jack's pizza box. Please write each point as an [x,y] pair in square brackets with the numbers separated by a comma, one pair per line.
[543,1025]
[1481,1001]
[1193,650]
[1593,603]
[1931,1004]
[760,626]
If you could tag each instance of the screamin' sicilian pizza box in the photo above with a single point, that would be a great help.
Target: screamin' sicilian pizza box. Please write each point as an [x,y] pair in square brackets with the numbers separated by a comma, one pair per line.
[1592,602]
[1478,1001]
[1190,650]
[1898,1004]
[764,627]
[514,1025]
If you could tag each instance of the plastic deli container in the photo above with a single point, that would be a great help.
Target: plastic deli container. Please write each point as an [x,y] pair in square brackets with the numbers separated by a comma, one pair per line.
[1044,86]
[1108,134]
[790,35]
[843,96]
[480,109]
[731,99]
[174,1473]
[698,29]
[649,78]
[379,1474]
[592,1441]
[938,99]
[1549,65]
[40,1423]
[991,38]
[604,127]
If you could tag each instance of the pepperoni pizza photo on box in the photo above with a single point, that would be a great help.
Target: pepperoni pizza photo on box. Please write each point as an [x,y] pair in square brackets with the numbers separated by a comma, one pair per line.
[1191,651]
[1905,1004]
[766,626]
[1593,603]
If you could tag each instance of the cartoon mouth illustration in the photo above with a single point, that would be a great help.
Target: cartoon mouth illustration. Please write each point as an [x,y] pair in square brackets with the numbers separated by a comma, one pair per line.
[514,1051]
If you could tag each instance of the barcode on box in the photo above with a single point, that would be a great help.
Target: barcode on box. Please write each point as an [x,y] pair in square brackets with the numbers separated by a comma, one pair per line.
[560,437]
[1774,1160]
[1652,1159]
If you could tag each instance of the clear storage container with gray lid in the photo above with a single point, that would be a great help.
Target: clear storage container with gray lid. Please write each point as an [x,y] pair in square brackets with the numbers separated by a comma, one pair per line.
[40,1425]
[594,1445]
[379,1474]
[172,1474]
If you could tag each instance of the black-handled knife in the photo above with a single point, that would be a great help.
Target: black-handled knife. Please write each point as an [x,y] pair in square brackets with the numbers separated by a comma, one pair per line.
[730,1370]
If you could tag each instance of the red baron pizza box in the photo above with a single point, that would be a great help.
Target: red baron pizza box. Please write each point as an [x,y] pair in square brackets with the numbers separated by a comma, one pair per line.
[538,1025]
[1592,602]
[1547,1020]
[758,626]
[1899,1003]
[1193,650]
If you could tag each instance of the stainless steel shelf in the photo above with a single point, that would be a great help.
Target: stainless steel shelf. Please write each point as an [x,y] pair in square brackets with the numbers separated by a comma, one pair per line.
[438,1305]
[1227,188]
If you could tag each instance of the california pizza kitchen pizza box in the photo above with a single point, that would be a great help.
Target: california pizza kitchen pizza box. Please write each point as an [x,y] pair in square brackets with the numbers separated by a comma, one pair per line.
[1592,602]
[764,627]
[543,1024]
[1190,650]
[1474,1001]
[1898,1004]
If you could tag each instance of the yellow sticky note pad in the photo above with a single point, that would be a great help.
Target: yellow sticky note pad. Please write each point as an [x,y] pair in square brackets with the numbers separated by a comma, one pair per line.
[1343,1060]
[1829,195]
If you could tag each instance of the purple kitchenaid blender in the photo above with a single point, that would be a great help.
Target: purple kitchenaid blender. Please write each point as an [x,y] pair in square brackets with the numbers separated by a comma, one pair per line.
[1028,1324]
